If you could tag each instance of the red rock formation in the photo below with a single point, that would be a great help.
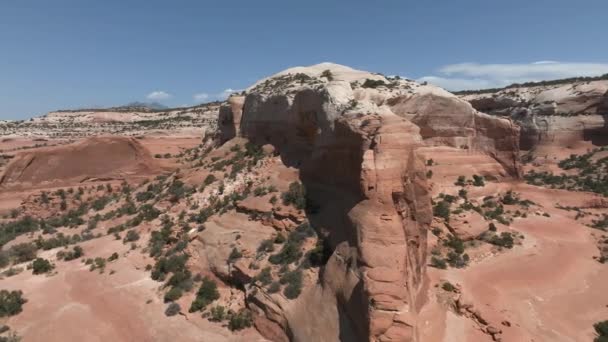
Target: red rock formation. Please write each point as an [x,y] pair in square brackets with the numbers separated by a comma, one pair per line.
[356,148]
[93,158]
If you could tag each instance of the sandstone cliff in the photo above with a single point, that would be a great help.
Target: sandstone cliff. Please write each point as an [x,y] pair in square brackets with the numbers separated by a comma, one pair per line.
[558,114]
[354,136]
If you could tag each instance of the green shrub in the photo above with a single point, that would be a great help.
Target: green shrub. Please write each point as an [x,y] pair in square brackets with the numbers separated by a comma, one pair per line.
[173,309]
[11,302]
[23,252]
[460,181]
[295,195]
[205,295]
[601,328]
[290,253]
[9,231]
[218,313]
[113,257]
[266,246]
[235,254]
[264,277]
[327,74]
[40,266]
[75,253]
[373,83]
[274,287]
[131,236]
[478,180]
[442,209]
[174,294]
[447,286]
[293,279]
[240,320]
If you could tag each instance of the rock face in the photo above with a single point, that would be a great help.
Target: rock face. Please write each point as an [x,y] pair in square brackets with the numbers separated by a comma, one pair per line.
[551,114]
[93,158]
[354,137]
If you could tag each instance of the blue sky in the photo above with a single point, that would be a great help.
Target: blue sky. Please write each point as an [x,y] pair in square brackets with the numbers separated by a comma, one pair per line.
[76,53]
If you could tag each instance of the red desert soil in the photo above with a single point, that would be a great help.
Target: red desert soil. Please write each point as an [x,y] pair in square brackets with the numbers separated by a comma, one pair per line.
[548,289]
[75,304]
[93,158]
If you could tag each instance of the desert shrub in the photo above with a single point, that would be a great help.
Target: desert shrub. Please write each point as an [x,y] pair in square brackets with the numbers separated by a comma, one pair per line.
[492,227]
[144,196]
[454,243]
[177,190]
[235,254]
[172,264]
[11,302]
[205,295]
[478,180]
[173,294]
[181,279]
[293,279]
[10,230]
[75,253]
[98,263]
[4,259]
[218,313]
[457,260]
[601,328]
[295,195]
[373,83]
[264,277]
[442,209]
[148,212]
[274,287]
[113,257]
[504,240]
[327,74]
[209,180]
[173,309]
[240,320]
[266,246]
[460,181]
[23,252]
[462,193]
[289,253]
[131,236]
[280,238]
[40,266]
[447,286]
[100,203]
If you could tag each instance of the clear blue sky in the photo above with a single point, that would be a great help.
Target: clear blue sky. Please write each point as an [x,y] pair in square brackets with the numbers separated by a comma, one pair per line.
[76,53]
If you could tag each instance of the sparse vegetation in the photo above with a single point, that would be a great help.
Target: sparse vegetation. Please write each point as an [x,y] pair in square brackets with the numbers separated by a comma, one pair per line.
[601,329]
[172,309]
[296,195]
[205,295]
[11,302]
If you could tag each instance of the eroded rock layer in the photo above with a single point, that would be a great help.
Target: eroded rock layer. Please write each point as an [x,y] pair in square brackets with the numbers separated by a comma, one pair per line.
[558,114]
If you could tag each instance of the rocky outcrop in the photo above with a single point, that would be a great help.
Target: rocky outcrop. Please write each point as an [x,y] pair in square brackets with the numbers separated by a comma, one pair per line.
[229,118]
[94,158]
[354,136]
[558,114]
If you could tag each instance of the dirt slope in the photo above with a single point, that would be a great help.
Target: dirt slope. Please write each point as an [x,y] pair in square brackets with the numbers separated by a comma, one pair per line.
[94,158]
